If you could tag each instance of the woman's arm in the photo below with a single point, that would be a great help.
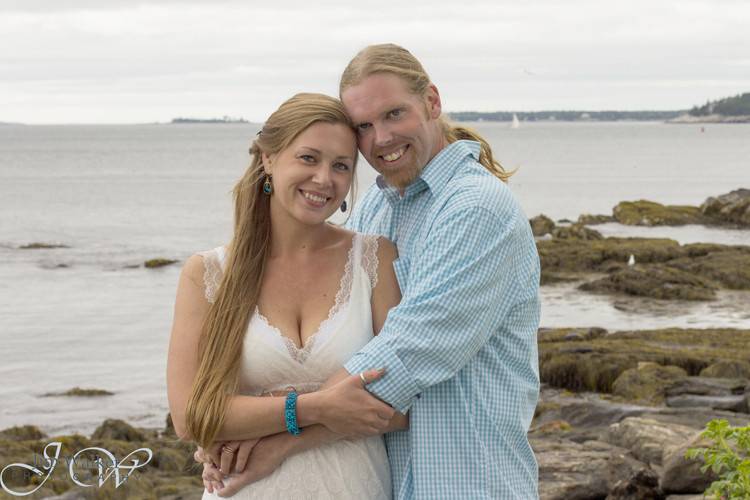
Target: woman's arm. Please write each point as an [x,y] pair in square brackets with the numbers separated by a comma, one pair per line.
[249,417]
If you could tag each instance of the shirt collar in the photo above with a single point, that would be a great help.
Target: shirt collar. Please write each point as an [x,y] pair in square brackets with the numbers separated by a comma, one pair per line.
[437,172]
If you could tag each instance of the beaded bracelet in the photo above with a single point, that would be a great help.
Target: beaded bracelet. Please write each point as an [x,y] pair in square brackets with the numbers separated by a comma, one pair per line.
[290,414]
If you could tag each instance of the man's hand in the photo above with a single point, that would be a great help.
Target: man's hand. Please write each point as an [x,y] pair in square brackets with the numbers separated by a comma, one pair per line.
[348,409]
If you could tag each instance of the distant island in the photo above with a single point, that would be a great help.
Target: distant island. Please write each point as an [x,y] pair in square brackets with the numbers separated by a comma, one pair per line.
[728,110]
[563,116]
[734,109]
[223,119]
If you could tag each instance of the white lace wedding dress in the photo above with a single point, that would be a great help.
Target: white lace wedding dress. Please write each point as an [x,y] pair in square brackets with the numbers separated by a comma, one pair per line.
[341,470]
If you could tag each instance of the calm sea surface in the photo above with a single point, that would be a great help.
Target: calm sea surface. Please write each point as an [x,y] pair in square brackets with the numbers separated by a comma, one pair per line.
[118,195]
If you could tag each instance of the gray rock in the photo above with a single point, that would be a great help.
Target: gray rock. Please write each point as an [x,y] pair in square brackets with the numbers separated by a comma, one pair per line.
[735,403]
[647,438]
[681,475]
[733,207]
[706,386]
[727,369]
[643,486]
[541,225]
[578,471]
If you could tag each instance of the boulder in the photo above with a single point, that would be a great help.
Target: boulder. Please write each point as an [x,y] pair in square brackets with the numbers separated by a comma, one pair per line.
[118,429]
[732,208]
[589,470]
[647,438]
[647,383]
[643,486]
[683,475]
[541,225]
[727,369]
[728,267]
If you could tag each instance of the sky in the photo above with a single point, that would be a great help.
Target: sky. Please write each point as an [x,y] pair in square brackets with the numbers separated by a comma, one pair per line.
[131,61]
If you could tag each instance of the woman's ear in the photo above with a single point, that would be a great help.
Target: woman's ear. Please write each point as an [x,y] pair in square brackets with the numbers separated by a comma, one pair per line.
[266,163]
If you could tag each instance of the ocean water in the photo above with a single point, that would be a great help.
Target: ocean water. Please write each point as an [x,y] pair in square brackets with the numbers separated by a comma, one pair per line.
[118,195]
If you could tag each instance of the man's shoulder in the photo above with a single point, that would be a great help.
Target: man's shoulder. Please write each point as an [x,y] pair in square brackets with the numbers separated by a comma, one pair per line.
[473,187]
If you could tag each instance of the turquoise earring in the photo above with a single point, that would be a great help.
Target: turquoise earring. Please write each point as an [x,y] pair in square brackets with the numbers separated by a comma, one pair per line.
[267,186]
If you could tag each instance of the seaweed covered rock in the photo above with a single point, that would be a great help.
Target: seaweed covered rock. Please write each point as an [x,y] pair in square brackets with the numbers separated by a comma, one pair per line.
[594,364]
[731,208]
[649,213]
[647,382]
[576,231]
[118,429]
[21,433]
[727,369]
[655,281]
[541,225]
[591,220]
[159,262]
[728,267]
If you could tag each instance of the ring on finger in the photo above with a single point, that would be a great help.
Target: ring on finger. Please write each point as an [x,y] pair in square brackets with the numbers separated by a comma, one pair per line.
[227,449]
[362,377]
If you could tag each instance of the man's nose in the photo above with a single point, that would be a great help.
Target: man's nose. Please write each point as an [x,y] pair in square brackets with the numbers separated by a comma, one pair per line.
[383,135]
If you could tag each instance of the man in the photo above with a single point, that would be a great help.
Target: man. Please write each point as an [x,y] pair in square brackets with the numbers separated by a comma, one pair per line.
[459,351]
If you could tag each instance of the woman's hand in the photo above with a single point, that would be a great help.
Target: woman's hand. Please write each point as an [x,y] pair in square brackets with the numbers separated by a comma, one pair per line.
[347,408]
[222,455]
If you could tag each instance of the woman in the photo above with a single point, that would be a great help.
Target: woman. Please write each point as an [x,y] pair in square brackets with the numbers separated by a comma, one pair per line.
[260,325]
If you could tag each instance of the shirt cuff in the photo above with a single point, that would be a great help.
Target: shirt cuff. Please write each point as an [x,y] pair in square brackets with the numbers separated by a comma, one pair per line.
[396,387]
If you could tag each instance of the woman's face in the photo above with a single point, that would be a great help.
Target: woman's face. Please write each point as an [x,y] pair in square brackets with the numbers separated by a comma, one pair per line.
[312,176]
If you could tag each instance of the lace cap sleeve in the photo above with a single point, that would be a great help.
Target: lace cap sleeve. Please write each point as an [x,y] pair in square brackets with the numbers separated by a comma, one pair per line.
[370,258]
[212,273]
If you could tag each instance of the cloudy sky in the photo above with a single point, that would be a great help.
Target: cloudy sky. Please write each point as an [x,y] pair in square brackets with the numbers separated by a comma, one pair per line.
[133,61]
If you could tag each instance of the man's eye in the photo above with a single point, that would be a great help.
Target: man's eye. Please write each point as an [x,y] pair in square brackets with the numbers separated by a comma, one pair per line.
[363,126]
[394,113]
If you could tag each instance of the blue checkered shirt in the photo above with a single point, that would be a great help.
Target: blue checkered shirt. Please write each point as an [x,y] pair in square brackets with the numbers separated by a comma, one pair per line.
[460,349]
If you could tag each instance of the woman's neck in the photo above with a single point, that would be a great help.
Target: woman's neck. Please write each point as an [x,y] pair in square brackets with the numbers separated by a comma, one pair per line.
[289,237]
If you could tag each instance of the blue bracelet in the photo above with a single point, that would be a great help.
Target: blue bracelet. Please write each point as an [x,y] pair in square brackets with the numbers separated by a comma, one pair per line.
[290,414]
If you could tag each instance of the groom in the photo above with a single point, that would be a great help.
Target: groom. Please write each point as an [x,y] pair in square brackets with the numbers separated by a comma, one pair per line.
[460,349]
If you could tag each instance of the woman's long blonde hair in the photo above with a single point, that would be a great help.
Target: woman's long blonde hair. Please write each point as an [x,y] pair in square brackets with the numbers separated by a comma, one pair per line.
[224,329]
[390,58]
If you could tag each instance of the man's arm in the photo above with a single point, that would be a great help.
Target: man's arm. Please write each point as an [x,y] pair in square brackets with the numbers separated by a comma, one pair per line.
[475,265]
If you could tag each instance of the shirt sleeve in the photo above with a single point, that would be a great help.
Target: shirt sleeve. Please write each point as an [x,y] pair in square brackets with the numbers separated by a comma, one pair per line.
[460,288]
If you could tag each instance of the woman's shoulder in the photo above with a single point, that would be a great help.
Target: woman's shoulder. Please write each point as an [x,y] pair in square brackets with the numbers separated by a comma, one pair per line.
[205,270]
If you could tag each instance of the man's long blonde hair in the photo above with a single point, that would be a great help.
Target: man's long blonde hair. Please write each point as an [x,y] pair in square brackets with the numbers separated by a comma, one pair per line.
[224,329]
[390,58]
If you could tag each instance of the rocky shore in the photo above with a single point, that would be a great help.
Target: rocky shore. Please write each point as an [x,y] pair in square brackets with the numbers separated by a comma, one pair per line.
[616,413]
[731,209]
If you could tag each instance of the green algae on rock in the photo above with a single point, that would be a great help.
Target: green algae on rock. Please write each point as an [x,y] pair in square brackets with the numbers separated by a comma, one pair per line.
[594,364]
[591,220]
[647,382]
[79,392]
[655,281]
[160,262]
[576,231]
[650,213]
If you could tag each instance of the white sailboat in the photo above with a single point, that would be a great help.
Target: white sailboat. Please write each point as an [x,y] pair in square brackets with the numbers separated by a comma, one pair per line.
[516,123]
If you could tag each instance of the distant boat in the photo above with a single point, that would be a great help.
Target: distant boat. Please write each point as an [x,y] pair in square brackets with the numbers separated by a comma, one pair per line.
[516,123]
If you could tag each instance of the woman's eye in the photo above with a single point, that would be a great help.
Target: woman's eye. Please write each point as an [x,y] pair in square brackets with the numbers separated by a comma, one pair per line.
[307,158]
[342,166]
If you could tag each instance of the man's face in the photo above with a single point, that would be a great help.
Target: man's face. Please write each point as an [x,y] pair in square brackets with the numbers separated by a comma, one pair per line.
[398,132]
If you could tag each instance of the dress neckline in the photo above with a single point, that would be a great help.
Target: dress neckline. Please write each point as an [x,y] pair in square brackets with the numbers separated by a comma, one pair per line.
[343,294]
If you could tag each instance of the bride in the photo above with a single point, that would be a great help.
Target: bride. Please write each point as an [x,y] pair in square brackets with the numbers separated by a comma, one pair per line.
[261,324]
